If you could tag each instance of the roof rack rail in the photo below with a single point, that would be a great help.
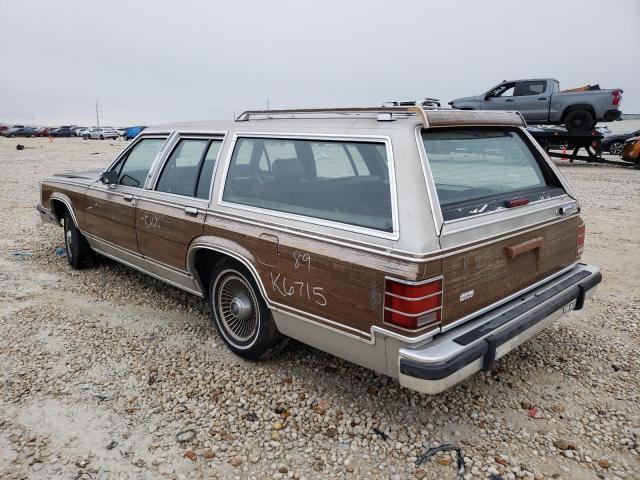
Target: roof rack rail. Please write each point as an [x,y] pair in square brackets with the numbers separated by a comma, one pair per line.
[406,110]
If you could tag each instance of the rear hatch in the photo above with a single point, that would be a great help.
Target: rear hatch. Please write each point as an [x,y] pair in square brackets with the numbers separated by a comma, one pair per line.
[508,221]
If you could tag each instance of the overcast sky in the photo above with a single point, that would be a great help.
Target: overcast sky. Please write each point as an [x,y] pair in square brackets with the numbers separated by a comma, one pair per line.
[160,61]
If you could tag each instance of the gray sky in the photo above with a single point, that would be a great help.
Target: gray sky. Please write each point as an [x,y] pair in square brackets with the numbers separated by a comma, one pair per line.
[158,61]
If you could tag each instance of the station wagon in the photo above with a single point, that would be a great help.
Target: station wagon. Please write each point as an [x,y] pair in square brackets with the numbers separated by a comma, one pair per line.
[421,243]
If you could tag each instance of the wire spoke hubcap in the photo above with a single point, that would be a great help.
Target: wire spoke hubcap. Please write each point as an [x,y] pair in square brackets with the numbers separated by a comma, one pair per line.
[237,308]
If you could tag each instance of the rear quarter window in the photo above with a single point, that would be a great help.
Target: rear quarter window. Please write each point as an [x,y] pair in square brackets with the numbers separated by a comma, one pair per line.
[339,181]
[479,170]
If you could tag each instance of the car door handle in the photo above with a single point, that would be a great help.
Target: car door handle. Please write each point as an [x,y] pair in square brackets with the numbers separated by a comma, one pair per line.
[128,197]
[542,98]
[509,100]
[193,211]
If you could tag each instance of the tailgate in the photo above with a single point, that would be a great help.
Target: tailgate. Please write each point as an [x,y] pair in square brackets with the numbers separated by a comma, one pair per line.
[483,275]
[508,218]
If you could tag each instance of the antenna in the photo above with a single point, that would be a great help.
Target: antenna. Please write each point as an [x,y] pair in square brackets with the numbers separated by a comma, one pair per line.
[98,115]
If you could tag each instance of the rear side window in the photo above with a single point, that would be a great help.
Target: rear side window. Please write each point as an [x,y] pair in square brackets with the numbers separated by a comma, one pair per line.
[339,181]
[189,168]
[133,169]
[480,170]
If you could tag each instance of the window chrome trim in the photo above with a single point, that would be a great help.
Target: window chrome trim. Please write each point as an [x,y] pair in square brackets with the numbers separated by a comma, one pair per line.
[188,135]
[163,134]
[432,193]
[386,140]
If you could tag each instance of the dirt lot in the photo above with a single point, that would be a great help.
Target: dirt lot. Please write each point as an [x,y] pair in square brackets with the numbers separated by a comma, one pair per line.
[100,369]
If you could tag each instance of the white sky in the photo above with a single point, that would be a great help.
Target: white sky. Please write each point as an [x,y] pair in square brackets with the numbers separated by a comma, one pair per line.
[160,61]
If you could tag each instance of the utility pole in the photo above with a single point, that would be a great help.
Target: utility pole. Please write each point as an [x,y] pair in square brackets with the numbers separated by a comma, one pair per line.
[97,115]
[267,103]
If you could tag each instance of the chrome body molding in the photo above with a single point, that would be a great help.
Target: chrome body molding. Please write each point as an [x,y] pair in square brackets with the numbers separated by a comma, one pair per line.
[134,260]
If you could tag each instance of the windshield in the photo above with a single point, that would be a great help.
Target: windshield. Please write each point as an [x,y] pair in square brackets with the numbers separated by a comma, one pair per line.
[478,170]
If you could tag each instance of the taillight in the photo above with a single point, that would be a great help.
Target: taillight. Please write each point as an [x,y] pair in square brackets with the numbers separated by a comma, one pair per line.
[616,97]
[413,305]
[580,241]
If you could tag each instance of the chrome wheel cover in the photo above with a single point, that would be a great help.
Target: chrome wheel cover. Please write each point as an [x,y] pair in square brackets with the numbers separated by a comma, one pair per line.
[68,238]
[237,308]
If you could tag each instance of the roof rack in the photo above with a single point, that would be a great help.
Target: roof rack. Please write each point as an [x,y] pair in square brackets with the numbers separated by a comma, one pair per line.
[430,117]
[383,113]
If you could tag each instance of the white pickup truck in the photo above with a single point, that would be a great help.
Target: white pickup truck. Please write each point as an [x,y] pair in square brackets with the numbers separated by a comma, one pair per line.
[540,101]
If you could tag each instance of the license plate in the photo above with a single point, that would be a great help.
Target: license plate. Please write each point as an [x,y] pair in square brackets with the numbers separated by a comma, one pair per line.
[570,306]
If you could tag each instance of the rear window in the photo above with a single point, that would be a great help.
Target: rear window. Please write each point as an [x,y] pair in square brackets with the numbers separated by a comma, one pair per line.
[479,170]
[339,181]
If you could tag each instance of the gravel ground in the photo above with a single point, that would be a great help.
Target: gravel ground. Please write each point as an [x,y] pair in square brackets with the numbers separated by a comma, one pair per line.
[101,369]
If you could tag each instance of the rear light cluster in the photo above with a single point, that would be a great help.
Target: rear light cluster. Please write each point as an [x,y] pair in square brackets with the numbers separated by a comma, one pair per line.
[580,241]
[413,305]
[617,94]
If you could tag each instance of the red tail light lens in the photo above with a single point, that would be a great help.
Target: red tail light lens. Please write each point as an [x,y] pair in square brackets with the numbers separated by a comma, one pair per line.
[616,97]
[413,305]
[580,241]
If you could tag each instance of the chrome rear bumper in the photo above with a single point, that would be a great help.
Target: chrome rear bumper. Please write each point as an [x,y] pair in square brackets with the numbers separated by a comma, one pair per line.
[474,346]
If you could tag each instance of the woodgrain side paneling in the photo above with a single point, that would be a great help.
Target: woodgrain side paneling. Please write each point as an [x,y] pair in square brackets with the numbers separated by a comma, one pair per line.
[337,283]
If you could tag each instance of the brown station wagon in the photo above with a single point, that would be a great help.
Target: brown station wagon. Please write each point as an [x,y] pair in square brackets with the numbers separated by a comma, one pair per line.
[423,244]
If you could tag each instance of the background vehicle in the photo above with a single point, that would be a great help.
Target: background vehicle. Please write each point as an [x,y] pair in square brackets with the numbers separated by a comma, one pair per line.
[64,131]
[631,150]
[615,143]
[3,128]
[20,132]
[132,132]
[10,130]
[42,131]
[540,101]
[100,133]
[78,131]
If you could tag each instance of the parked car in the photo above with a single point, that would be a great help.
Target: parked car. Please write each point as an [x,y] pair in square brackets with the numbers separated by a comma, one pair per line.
[78,131]
[99,133]
[3,128]
[301,230]
[631,150]
[64,131]
[615,143]
[21,132]
[132,132]
[9,132]
[42,131]
[540,101]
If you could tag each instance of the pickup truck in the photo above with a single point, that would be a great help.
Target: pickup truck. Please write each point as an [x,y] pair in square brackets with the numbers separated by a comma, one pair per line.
[540,101]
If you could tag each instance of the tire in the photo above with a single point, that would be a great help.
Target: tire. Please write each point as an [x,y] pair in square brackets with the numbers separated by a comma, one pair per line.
[615,148]
[579,120]
[79,253]
[125,138]
[240,313]
[101,137]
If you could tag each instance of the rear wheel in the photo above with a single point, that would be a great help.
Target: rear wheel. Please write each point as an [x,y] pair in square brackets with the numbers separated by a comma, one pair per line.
[79,252]
[240,313]
[101,137]
[579,120]
[615,148]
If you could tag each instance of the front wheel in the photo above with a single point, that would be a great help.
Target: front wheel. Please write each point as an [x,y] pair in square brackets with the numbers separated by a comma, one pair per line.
[78,250]
[240,313]
[615,148]
[101,137]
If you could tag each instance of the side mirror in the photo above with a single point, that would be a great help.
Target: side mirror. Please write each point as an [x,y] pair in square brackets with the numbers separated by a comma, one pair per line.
[109,177]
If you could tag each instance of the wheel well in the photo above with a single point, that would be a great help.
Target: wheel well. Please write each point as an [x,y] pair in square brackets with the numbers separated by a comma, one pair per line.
[572,108]
[59,208]
[204,262]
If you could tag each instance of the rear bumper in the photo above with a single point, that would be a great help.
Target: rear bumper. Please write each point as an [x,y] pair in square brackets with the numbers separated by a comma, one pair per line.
[611,115]
[47,216]
[474,346]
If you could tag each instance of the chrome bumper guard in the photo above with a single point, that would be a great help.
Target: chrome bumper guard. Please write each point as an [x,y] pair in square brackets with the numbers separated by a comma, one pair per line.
[476,345]
[47,216]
